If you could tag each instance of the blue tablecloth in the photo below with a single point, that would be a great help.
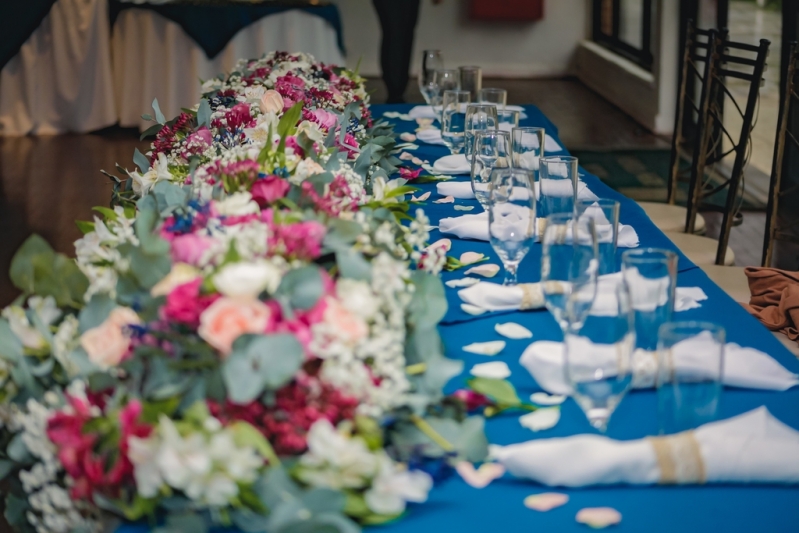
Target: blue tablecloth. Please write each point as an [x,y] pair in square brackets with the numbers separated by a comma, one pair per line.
[454,506]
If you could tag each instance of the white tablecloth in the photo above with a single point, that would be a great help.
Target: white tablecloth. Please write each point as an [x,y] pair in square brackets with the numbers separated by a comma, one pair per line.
[73,75]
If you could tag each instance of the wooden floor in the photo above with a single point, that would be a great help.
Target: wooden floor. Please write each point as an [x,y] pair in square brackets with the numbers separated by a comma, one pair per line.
[46,183]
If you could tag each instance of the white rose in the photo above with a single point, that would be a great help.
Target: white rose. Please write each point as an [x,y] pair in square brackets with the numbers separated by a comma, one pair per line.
[240,203]
[311,130]
[247,280]
[271,102]
[307,167]
[181,273]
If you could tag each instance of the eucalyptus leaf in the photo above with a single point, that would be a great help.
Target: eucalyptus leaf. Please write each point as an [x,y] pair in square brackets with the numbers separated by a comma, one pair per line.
[17,450]
[260,362]
[302,286]
[10,345]
[429,303]
[323,500]
[22,271]
[169,195]
[158,115]
[352,264]
[141,161]
[15,512]
[204,114]
[96,312]
[6,467]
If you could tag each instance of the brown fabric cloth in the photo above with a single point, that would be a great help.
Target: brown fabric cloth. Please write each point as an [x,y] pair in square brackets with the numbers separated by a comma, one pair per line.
[775,299]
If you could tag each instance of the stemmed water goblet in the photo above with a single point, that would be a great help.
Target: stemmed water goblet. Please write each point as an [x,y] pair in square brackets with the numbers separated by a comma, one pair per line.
[511,217]
[453,119]
[432,60]
[491,150]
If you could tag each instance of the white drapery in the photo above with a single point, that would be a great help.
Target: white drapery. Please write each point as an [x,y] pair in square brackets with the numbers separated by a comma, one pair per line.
[73,75]
[61,78]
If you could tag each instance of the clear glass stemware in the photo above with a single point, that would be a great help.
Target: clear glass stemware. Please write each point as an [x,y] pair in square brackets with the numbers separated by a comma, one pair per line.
[444,80]
[491,150]
[453,119]
[478,117]
[432,60]
[511,217]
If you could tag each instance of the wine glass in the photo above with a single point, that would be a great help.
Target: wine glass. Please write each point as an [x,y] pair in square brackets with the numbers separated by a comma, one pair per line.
[478,117]
[569,267]
[511,217]
[445,80]
[453,119]
[598,353]
[432,60]
[491,150]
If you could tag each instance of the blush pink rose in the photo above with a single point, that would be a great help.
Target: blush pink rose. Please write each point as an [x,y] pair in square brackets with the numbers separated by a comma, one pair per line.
[108,343]
[228,318]
[189,248]
[349,327]
[271,102]
[268,190]
[325,118]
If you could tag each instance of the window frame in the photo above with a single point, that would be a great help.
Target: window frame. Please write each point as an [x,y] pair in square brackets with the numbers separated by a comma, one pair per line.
[641,57]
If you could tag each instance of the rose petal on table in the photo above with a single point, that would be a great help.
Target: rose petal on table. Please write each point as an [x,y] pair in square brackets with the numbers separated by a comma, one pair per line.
[428,168]
[407,136]
[445,200]
[463,282]
[417,161]
[473,309]
[512,330]
[405,156]
[546,501]
[464,207]
[421,198]
[541,419]
[487,271]
[441,243]
[424,121]
[467,258]
[542,398]
[493,370]
[598,517]
[480,477]
[409,146]
[485,348]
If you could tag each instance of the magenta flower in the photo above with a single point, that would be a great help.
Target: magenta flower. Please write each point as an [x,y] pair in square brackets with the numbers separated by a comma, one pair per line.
[189,248]
[409,174]
[268,190]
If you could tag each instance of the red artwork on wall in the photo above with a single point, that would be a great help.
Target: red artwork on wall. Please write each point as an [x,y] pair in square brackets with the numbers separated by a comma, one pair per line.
[507,10]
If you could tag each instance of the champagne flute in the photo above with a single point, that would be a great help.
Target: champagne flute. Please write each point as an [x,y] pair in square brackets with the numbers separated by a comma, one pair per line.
[432,60]
[453,119]
[478,117]
[598,355]
[569,267]
[491,150]
[511,217]
[445,80]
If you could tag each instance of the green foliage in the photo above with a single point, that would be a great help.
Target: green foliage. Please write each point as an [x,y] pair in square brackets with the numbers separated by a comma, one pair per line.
[301,287]
[260,362]
[37,269]
[499,390]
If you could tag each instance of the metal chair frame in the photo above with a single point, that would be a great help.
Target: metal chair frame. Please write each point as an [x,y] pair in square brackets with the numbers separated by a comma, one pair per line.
[790,97]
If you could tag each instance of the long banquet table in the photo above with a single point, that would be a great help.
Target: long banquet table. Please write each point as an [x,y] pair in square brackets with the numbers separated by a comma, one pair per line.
[455,506]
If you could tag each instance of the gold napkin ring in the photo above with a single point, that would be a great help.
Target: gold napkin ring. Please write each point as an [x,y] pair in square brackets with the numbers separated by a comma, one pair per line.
[532,296]
[679,459]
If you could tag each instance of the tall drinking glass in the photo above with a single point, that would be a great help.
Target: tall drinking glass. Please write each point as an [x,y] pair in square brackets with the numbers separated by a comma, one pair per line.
[498,97]
[690,371]
[479,117]
[605,213]
[557,184]
[651,276]
[445,80]
[528,148]
[491,150]
[598,355]
[508,119]
[432,60]
[471,80]
[568,267]
[511,217]
[453,120]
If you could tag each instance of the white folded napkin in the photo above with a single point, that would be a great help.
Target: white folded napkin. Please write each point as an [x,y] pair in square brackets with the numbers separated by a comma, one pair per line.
[495,297]
[423,111]
[462,190]
[476,227]
[430,136]
[743,367]
[452,164]
[646,294]
[753,447]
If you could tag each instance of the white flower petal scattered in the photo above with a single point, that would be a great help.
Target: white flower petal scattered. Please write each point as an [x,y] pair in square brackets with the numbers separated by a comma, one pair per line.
[546,501]
[445,200]
[481,477]
[467,258]
[462,282]
[487,271]
[408,137]
[485,348]
[406,156]
[541,419]
[598,517]
[464,207]
[512,330]
[421,198]
[473,309]
[542,398]
[493,370]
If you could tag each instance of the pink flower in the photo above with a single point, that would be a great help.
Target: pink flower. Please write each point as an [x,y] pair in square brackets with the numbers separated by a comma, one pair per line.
[302,240]
[269,189]
[325,118]
[348,327]
[227,318]
[271,102]
[184,303]
[473,400]
[108,343]
[189,248]
[409,174]
[197,142]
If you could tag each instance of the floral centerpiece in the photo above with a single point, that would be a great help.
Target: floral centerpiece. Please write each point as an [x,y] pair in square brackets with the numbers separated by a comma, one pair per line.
[248,337]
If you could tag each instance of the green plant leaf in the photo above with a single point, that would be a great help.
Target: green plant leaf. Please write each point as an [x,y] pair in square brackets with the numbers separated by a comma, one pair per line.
[141,161]
[158,115]
[429,304]
[352,264]
[245,434]
[22,271]
[108,214]
[302,287]
[204,114]
[499,390]
[85,226]
[289,120]
[260,362]
[96,312]
[10,345]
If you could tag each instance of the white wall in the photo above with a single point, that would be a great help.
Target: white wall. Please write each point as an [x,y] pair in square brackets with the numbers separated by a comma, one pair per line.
[542,48]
